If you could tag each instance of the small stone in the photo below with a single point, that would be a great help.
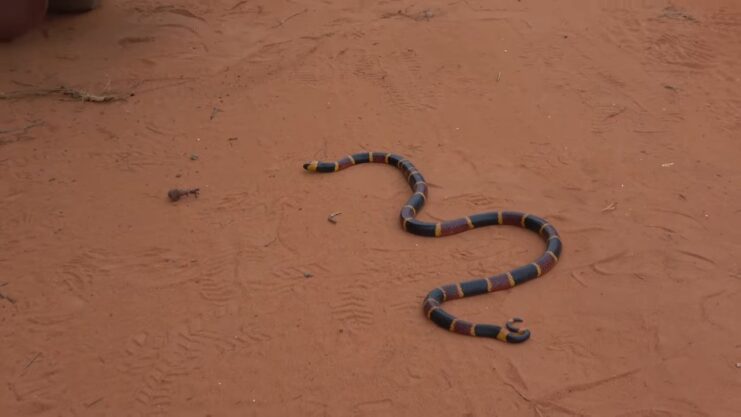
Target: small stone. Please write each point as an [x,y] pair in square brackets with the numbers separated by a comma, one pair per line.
[308,275]
[193,157]
[174,194]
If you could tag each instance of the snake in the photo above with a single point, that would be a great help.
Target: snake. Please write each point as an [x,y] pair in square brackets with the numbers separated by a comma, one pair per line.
[511,332]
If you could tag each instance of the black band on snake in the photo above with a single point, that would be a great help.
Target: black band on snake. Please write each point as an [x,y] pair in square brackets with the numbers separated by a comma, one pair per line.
[510,333]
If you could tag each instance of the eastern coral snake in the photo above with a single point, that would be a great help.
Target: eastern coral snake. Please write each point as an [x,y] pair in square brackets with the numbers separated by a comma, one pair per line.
[510,333]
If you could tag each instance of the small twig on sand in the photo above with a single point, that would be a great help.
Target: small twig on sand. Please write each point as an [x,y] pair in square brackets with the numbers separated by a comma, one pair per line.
[271,242]
[611,207]
[577,279]
[65,91]
[85,96]
[22,130]
[332,216]
[239,3]
[282,22]
[672,12]
[426,14]
[175,194]
[7,297]
[92,403]
[32,360]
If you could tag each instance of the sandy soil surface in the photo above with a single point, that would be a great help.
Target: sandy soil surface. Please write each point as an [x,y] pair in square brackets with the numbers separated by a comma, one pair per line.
[620,124]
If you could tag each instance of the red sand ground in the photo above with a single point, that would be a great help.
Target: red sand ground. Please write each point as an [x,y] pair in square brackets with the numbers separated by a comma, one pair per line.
[620,124]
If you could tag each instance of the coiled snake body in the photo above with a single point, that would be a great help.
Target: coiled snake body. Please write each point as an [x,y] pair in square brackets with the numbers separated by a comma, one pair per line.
[510,333]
